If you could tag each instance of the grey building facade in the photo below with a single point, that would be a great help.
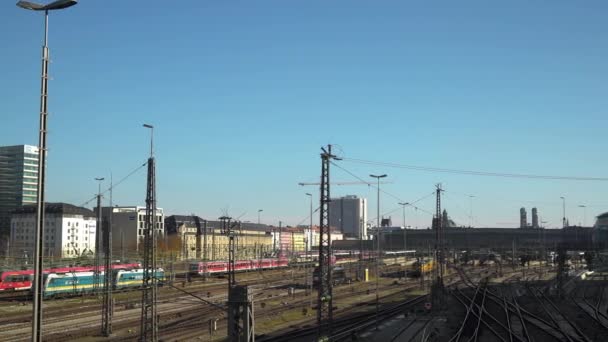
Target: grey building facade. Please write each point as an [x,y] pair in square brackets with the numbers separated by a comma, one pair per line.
[18,182]
[348,214]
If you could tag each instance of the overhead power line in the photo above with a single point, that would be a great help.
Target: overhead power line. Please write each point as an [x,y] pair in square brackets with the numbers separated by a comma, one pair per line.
[473,173]
[386,192]
[116,184]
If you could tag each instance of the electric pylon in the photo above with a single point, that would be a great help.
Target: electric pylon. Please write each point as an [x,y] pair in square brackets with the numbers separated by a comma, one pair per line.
[149,317]
[325,300]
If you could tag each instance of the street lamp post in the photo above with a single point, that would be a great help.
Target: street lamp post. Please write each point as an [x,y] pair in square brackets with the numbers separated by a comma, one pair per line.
[259,211]
[378,247]
[38,252]
[564,211]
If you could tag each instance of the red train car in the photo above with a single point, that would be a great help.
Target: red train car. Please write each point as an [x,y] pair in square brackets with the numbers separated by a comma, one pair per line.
[218,267]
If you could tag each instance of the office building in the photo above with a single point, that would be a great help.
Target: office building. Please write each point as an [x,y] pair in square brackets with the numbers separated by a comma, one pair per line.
[128,225]
[348,214]
[18,182]
[69,231]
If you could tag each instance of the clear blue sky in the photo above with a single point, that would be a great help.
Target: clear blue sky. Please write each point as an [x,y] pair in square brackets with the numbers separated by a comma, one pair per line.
[244,93]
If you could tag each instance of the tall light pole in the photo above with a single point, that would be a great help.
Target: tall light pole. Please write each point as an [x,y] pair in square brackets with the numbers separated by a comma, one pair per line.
[309,246]
[378,246]
[584,214]
[39,252]
[404,230]
[564,211]
[259,211]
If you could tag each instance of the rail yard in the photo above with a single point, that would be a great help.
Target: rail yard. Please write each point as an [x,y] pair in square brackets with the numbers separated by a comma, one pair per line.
[482,302]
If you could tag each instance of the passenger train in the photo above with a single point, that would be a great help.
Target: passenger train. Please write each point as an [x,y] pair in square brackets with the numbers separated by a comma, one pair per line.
[21,280]
[75,283]
[220,267]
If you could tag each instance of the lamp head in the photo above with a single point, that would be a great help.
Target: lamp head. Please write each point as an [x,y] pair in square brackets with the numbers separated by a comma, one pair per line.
[55,5]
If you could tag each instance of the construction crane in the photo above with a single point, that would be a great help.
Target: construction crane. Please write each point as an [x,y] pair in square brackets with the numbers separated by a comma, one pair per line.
[342,183]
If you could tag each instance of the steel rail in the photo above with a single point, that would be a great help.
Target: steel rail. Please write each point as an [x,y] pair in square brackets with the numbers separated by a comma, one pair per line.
[574,326]
[483,321]
[457,335]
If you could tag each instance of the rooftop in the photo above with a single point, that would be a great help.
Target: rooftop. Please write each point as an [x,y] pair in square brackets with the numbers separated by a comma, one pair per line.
[56,208]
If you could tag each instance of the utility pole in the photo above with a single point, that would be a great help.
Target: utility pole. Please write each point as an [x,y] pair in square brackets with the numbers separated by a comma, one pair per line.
[197,222]
[378,236]
[149,317]
[404,231]
[564,211]
[280,239]
[325,295]
[241,322]
[108,306]
[308,243]
[98,232]
[437,290]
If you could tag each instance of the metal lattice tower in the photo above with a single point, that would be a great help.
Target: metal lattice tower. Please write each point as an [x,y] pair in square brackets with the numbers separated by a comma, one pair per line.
[197,222]
[437,289]
[97,262]
[149,318]
[325,300]
[241,322]
[108,308]
[227,230]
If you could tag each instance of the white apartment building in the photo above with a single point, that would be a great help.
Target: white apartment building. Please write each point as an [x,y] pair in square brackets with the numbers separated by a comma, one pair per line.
[69,231]
[128,223]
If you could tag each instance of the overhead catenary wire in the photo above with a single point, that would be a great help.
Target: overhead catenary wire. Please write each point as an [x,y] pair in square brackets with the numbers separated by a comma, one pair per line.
[474,173]
[112,186]
[386,192]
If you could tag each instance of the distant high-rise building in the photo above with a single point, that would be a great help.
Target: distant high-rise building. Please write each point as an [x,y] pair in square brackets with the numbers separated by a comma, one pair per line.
[349,215]
[445,221]
[523,218]
[18,182]
[534,218]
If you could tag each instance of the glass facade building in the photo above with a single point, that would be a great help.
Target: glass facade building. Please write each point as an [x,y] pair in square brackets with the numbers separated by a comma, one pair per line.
[18,181]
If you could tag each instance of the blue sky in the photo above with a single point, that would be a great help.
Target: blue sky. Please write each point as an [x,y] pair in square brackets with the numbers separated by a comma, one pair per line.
[244,93]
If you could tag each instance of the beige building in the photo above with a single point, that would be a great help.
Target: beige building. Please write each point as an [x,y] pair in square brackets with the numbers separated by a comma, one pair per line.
[252,240]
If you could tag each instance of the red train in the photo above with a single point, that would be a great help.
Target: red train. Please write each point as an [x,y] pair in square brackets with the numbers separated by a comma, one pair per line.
[22,280]
[218,267]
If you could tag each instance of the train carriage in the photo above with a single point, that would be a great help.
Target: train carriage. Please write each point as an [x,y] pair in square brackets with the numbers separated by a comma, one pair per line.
[135,278]
[70,283]
[16,280]
[220,267]
[22,280]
